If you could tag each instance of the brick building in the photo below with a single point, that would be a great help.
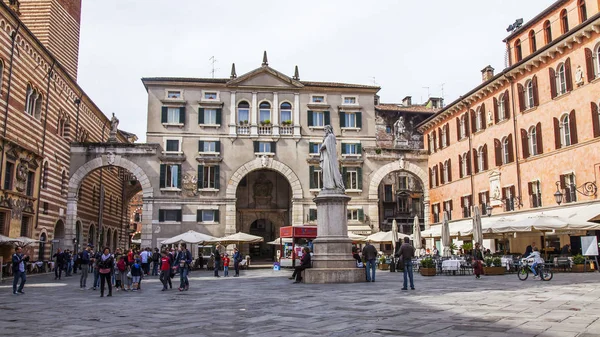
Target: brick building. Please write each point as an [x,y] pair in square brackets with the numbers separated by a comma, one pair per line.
[526,133]
[43,112]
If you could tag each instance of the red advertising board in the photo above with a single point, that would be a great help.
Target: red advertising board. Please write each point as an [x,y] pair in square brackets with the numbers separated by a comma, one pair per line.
[307,232]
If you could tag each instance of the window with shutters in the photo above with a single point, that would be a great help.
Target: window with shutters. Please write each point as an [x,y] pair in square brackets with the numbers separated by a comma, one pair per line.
[350,120]
[529,100]
[508,196]
[25,221]
[532,42]
[31,184]
[169,215]
[448,208]
[210,96]
[316,178]
[464,164]
[318,119]
[570,188]
[561,79]
[208,177]
[435,210]
[172,115]
[9,175]
[174,94]
[432,180]
[480,160]
[210,116]
[479,119]
[505,151]
[430,143]
[313,148]
[518,52]
[351,149]
[463,126]
[435,143]
[207,215]
[565,131]
[564,21]
[595,109]
[501,111]
[172,177]
[172,145]
[352,214]
[209,147]
[595,60]
[535,193]
[312,214]
[352,178]
[466,206]
[532,141]
[446,167]
[547,32]
[483,201]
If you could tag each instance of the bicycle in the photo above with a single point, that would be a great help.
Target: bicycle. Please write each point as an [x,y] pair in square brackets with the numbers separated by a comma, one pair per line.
[542,270]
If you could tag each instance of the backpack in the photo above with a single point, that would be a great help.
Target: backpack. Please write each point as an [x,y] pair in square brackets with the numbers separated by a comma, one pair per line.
[121,265]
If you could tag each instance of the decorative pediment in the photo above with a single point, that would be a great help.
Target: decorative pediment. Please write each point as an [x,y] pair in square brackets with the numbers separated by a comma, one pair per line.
[264,76]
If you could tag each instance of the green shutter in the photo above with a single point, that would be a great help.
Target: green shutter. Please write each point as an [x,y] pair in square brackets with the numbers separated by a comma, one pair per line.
[359,119]
[179,215]
[310,147]
[216,215]
[218,146]
[344,148]
[179,176]
[163,175]
[200,145]
[198,215]
[201,116]
[345,176]
[310,118]
[342,119]
[200,176]
[217,176]
[312,214]
[256,146]
[361,215]
[273,147]
[182,115]
[359,148]
[311,172]
[164,115]
[359,177]
[161,215]
[326,118]
[219,113]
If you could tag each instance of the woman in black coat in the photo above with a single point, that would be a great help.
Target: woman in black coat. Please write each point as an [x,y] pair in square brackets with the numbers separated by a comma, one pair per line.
[305,262]
[106,265]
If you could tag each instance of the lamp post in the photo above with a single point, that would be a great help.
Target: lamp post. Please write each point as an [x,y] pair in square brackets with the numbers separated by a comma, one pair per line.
[588,189]
[558,196]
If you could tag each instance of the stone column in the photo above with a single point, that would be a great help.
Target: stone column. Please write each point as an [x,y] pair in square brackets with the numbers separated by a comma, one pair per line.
[230,218]
[275,114]
[297,115]
[333,261]
[147,224]
[232,116]
[71,222]
[254,116]
[426,213]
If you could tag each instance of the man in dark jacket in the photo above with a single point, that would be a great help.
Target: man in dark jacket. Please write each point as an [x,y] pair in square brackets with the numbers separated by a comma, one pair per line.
[85,265]
[59,263]
[18,266]
[406,252]
[217,260]
[370,254]
[305,262]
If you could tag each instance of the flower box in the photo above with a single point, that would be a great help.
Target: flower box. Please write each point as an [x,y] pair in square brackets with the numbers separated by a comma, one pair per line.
[494,270]
[427,271]
[383,266]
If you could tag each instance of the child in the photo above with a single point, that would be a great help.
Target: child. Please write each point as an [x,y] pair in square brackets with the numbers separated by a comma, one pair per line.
[122,273]
[226,265]
[537,259]
[136,273]
[165,271]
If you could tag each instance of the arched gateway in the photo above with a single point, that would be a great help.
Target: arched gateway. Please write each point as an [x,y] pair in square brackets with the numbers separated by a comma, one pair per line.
[135,158]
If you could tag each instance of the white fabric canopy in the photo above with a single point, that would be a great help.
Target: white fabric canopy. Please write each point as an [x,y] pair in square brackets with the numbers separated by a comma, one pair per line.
[446,239]
[188,237]
[237,238]
[394,234]
[356,237]
[24,241]
[6,239]
[477,226]
[276,242]
[417,233]
[384,237]
[542,222]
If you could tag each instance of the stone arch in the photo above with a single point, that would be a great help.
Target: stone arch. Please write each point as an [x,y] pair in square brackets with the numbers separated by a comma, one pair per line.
[400,165]
[60,233]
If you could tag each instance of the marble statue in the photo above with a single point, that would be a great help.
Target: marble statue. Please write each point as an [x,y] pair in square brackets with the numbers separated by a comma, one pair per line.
[114,123]
[399,127]
[332,178]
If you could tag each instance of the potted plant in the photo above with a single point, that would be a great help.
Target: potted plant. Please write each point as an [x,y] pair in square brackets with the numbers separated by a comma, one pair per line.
[245,122]
[579,264]
[378,150]
[493,266]
[383,265]
[427,267]
[467,247]
[452,247]
[286,122]
[266,122]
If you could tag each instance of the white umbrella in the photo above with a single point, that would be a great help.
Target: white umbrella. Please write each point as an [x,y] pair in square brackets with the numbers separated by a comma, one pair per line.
[446,240]
[394,235]
[477,228]
[277,242]
[542,222]
[188,237]
[384,237]
[356,237]
[417,233]
[24,241]
[237,238]
[6,240]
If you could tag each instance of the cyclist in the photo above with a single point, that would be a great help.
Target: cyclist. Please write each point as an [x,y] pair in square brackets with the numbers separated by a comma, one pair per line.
[537,258]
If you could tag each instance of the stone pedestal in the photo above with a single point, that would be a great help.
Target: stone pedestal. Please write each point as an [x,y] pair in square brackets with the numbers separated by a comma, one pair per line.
[332,258]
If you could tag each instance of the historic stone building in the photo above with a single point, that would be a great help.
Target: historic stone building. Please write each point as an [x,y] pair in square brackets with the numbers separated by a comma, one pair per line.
[242,153]
[528,134]
[43,112]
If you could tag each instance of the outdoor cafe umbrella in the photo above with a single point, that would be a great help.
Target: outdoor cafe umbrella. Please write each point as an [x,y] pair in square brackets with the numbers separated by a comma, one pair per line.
[384,237]
[6,240]
[188,237]
[236,238]
[446,240]
[542,222]
[356,237]
[417,233]
[394,235]
[24,241]
[477,228]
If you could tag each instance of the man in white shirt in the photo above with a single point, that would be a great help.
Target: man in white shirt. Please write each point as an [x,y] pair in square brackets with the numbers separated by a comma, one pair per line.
[146,256]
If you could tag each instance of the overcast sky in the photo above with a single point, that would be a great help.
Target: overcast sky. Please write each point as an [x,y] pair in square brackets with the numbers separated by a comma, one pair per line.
[402,46]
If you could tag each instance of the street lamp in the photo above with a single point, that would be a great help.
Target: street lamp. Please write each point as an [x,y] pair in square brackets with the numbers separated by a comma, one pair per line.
[558,196]
[588,189]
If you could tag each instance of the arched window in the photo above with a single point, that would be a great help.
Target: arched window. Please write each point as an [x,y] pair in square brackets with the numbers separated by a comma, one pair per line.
[518,52]
[582,10]
[598,60]
[463,127]
[480,159]
[285,111]
[501,114]
[565,130]
[479,119]
[547,32]
[30,97]
[529,94]
[243,110]
[45,176]
[564,21]
[533,147]
[561,80]
[264,113]
[532,42]
[42,247]
[435,143]
[443,136]
[505,151]
[60,126]
[67,128]
[430,143]
[463,167]
[446,172]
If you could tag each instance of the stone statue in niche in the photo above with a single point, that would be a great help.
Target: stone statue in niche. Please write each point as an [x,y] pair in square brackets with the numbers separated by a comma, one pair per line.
[114,123]
[399,127]
[579,76]
[490,118]
[330,166]
[21,176]
[190,184]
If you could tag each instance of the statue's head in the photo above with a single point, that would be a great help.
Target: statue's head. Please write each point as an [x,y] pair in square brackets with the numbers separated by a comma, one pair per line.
[328,129]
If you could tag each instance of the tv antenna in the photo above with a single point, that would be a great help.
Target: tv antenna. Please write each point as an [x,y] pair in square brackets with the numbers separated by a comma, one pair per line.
[213,60]
[427,92]
[373,79]
[442,85]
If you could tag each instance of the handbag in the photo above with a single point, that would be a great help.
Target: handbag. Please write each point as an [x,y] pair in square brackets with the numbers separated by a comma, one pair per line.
[359,264]
[129,274]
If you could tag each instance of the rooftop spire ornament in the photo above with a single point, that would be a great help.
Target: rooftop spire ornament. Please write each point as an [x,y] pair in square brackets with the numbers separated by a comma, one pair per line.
[265,61]
[296,74]
[233,74]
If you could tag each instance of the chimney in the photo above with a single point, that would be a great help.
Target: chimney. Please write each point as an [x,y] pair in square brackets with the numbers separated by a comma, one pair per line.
[407,101]
[376,99]
[487,73]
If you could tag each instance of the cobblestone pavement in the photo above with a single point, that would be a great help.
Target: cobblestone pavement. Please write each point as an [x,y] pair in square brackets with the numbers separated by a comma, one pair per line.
[266,303]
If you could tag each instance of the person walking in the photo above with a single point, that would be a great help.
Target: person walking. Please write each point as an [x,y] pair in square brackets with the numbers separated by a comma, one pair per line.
[85,265]
[94,261]
[226,265]
[406,252]
[305,262]
[217,260]
[146,257]
[184,258]
[165,271]
[370,254]
[59,261]
[68,262]
[155,261]
[19,271]
[477,260]
[237,258]
[105,266]
[121,273]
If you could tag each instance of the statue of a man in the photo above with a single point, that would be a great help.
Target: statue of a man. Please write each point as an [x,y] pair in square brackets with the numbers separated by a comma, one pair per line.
[399,127]
[332,178]
[114,123]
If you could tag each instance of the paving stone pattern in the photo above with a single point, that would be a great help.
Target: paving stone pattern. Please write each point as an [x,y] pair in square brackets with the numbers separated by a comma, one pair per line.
[265,303]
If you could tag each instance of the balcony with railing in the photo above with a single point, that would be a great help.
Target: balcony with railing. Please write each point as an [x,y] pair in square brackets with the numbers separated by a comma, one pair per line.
[286,130]
[265,129]
[243,129]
